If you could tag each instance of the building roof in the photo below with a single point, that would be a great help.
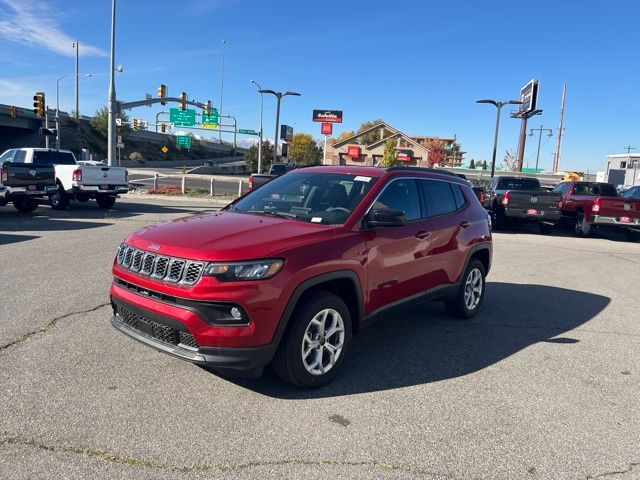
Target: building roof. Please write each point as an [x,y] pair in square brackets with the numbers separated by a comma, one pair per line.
[395,133]
[624,155]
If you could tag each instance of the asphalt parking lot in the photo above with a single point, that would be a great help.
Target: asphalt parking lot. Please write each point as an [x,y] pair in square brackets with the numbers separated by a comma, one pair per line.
[543,384]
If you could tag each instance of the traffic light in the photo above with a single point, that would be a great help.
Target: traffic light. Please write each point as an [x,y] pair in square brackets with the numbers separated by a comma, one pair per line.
[207,107]
[183,98]
[162,92]
[14,111]
[136,124]
[163,127]
[38,104]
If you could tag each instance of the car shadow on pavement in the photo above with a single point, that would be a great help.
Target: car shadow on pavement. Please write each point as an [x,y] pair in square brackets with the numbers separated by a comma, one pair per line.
[423,344]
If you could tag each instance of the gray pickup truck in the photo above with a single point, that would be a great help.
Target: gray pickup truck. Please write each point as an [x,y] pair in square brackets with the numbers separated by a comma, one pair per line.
[521,199]
[256,180]
[23,184]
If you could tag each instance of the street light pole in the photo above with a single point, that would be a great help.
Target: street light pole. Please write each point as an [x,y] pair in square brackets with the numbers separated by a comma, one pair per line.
[260,137]
[224,43]
[111,142]
[58,103]
[498,106]
[279,96]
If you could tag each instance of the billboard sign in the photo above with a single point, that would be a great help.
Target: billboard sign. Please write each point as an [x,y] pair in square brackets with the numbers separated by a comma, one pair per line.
[286,133]
[404,155]
[327,116]
[353,151]
[326,128]
[529,97]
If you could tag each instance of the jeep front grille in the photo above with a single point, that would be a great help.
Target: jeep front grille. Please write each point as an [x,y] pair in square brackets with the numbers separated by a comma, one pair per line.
[160,332]
[159,267]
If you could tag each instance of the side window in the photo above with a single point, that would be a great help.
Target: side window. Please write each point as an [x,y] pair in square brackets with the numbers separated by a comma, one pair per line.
[8,156]
[438,198]
[19,156]
[401,195]
[559,188]
[458,196]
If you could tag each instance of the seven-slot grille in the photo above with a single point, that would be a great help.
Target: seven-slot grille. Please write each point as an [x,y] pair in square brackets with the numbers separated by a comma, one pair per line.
[168,269]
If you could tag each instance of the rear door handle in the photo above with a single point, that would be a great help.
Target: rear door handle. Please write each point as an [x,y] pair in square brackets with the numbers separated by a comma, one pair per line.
[422,234]
[464,224]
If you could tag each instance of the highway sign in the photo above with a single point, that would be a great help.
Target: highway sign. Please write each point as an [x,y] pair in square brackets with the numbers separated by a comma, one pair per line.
[183,141]
[211,120]
[247,132]
[182,118]
[164,150]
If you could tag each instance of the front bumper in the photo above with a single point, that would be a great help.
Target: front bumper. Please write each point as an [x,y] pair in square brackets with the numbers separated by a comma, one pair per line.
[8,192]
[600,220]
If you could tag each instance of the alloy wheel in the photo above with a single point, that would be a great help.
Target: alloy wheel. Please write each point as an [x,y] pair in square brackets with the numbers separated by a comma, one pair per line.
[323,342]
[473,289]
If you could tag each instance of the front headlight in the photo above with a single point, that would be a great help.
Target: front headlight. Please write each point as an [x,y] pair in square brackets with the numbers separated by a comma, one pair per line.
[238,271]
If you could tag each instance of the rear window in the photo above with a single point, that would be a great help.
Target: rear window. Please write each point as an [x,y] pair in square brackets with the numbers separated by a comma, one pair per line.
[518,184]
[44,157]
[439,198]
[604,189]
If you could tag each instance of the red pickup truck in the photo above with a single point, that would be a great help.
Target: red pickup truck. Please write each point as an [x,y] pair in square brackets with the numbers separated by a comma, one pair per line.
[591,205]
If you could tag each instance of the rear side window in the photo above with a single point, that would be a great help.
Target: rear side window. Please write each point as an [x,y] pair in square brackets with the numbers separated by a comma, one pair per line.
[458,195]
[401,195]
[439,198]
[45,157]
[19,156]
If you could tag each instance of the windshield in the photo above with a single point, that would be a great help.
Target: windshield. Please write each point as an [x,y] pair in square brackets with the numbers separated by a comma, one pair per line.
[326,198]
[518,184]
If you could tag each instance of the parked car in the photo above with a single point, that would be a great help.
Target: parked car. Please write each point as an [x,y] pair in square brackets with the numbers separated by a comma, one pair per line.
[79,181]
[23,185]
[632,192]
[521,199]
[591,205]
[288,272]
[277,169]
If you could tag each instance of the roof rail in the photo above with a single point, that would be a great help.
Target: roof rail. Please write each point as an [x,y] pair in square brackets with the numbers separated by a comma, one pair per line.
[420,169]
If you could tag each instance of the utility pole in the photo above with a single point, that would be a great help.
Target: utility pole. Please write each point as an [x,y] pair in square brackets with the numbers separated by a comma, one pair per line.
[76,45]
[629,148]
[556,158]
[111,141]
[540,130]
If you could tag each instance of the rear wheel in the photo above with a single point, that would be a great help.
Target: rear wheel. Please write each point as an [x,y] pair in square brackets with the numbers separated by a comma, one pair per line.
[632,235]
[581,228]
[25,205]
[498,219]
[59,200]
[105,201]
[316,341]
[545,228]
[469,298]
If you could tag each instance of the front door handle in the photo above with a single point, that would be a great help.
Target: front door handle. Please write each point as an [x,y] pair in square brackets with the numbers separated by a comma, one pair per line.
[422,234]
[464,224]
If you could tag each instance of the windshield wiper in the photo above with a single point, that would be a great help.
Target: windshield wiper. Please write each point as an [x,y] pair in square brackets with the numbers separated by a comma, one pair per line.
[273,213]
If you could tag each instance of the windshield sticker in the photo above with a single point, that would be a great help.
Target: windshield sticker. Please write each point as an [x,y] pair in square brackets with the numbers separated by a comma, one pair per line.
[316,219]
[362,179]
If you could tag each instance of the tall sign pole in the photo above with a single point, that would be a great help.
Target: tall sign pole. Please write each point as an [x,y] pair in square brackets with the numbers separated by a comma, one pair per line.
[529,100]
[111,141]
[556,158]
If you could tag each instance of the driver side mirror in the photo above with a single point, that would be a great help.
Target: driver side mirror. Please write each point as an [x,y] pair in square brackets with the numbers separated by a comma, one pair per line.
[385,217]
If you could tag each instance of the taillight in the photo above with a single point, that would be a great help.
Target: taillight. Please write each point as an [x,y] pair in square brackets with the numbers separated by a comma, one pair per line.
[505,199]
[5,174]
[250,183]
[596,205]
[481,197]
[77,175]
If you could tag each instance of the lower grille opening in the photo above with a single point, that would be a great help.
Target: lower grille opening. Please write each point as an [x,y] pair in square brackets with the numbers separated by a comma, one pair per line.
[162,333]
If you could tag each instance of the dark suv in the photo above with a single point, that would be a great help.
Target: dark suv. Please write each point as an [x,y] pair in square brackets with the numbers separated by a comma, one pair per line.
[287,273]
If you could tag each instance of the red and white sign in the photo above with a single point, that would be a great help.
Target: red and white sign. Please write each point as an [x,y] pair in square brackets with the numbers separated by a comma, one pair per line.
[353,151]
[326,128]
[403,157]
[326,116]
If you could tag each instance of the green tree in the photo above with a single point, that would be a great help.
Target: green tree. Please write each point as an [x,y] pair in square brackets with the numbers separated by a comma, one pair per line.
[100,122]
[389,158]
[373,136]
[251,157]
[472,165]
[304,149]
[345,135]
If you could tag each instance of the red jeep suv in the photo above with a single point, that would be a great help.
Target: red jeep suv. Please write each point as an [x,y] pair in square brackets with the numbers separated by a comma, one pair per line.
[289,272]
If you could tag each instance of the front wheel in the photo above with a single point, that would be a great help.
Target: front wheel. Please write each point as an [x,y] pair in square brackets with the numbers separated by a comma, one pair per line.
[106,201]
[498,219]
[467,301]
[59,200]
[25,205]
[316,342]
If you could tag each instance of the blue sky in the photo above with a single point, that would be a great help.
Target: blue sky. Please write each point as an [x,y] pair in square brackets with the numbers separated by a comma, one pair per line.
[420,65]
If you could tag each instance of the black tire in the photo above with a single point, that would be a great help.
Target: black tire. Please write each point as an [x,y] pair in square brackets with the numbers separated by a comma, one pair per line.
[581,228]
[498,218]
[105,201]
[25,205]
[59,200]
[288,361]
[545,228]
[83,197]
[457,306]
[632,235]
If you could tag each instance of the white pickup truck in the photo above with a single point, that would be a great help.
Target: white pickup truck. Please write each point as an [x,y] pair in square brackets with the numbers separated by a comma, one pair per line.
[79,181]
